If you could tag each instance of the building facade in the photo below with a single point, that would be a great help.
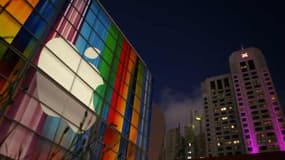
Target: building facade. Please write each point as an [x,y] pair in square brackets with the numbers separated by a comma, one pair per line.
[157,134]
[223,132]
[174,144]
[259,108]
[194,136]
[246,101]
[71,84]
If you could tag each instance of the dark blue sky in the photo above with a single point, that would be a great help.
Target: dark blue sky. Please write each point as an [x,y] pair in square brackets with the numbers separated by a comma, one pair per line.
[184,42]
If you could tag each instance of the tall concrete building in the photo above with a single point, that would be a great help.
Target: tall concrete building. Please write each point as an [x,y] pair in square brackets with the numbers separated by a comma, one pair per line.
[223,134]
[157,134]
[260,112]
[242,109]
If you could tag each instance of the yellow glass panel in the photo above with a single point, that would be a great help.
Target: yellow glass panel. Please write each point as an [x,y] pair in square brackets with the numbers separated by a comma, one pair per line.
[137,104]
[135,119]
[20,10]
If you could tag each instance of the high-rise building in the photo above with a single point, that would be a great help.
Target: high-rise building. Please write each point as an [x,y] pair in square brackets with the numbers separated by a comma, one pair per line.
[223,132]
[244,100]
[261,116]
[157,134]
[174,146]
[71,84]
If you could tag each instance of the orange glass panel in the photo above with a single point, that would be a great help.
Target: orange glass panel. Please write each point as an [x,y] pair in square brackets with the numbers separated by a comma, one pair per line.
[133,55]
[131,152]
[112,141]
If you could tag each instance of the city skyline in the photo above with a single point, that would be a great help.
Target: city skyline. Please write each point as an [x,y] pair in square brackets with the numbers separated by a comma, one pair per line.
[191,36]
[141,80]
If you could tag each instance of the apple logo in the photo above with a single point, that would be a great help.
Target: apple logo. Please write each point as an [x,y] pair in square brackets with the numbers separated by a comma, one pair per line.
[62,63]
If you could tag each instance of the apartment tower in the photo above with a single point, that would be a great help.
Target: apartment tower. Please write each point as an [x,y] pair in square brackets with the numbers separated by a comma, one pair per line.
[259,108]
[223,136]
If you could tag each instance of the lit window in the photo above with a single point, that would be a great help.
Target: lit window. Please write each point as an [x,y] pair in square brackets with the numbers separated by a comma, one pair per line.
[218,144]
[244,55]
[273,97]
[232,126]
[229,142]
[224,118]
[224,109]
[236,141]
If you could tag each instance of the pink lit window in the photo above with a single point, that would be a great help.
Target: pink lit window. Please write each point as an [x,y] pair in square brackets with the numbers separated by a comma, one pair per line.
[244,55]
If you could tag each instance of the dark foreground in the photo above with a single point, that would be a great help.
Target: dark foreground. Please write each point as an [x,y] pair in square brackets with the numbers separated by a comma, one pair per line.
[279,155]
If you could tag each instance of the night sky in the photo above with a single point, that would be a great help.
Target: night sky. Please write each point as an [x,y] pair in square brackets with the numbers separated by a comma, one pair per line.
[184,42]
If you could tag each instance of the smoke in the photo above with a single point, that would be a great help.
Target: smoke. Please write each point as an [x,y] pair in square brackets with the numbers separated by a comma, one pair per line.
[177,106]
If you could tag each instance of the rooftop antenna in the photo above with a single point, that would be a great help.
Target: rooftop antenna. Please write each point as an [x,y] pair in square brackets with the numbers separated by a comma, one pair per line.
[241,46]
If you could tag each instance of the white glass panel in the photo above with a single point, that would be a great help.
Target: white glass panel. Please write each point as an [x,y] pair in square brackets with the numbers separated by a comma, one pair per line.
[89,75]
[55,69]
[82,91]
[65,51]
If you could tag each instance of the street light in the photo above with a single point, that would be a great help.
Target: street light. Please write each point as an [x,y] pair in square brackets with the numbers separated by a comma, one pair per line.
[198,118]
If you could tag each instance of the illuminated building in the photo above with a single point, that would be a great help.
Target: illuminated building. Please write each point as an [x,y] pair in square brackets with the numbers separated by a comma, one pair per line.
[71,84]
[260,112]
[254,102]
[223,135]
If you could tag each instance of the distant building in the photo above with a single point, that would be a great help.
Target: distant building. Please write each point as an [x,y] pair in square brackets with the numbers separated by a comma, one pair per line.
[174,145]
[194,136]
[260,111]
[191,142]
[157,134]
[223,132]
[242,110]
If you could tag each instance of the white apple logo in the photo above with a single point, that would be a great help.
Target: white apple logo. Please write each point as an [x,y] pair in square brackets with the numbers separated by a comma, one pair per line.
[56,98]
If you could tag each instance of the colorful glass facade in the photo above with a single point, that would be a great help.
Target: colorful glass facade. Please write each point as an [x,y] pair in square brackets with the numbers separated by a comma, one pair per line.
[71,84]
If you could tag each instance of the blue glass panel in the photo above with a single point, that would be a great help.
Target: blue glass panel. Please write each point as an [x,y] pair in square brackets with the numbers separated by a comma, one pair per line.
[95,7]
[81,44]
[48,131]
[85,30]
[45,10]
[123,148]
[90,17]
[101,30]
[96,41]
[144,97]
[138,153]
[103,17]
